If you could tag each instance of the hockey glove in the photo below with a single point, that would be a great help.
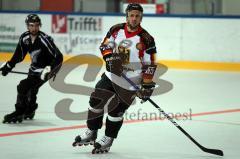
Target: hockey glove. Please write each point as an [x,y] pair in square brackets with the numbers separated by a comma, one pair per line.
[106,49]
[5,68]
[147,85]
[114,63]
[45,73]
[146,91]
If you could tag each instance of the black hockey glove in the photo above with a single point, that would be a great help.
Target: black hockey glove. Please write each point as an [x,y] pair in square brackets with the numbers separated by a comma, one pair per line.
[106,49]
[147,85]
[6,68]
[114,63]
[146,91]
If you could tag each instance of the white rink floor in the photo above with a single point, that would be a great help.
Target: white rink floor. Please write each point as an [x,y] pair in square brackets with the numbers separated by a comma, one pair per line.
[212,98]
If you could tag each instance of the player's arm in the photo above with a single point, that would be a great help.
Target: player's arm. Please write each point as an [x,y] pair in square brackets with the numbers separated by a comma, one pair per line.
[55,53]
[18,56]
[148,71]
[113,60]
[56,60]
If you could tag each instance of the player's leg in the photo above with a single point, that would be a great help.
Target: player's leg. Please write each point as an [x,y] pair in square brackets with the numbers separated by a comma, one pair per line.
[23,89]
[32,104]
[114,123]
[99,98]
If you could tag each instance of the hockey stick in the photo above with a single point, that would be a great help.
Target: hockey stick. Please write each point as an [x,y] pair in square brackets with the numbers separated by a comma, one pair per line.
[212,151]
[23,73]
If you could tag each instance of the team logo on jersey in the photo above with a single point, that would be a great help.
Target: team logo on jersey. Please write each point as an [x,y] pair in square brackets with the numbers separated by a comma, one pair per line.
[140,46]
[124,47]
[27,41]
[125,43]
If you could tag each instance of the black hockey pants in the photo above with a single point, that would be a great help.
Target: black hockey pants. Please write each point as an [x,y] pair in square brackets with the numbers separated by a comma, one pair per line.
[112,99]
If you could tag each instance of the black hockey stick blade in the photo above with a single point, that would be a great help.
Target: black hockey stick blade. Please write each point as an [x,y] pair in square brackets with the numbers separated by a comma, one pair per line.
[213,151]
[18,72]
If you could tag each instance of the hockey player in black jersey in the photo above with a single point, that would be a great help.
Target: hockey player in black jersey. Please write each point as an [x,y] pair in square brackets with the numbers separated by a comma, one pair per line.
[46,60]
[130,50]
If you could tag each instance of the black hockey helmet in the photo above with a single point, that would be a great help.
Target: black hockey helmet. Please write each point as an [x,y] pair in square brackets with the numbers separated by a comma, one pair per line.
[33,18]
[134,6]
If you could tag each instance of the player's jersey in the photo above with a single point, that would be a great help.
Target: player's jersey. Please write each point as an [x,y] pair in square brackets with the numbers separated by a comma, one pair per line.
[139,48]
[43,52]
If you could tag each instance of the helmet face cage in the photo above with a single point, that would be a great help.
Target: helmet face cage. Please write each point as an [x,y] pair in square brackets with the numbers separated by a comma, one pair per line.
[33,18]
[133,6]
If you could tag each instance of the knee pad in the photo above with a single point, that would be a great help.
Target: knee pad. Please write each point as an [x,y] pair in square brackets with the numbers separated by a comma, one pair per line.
[96,104]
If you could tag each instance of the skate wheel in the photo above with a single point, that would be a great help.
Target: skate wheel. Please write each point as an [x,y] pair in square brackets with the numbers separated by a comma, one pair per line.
[13,121]
[94,151]
[74,144]
[97,151]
